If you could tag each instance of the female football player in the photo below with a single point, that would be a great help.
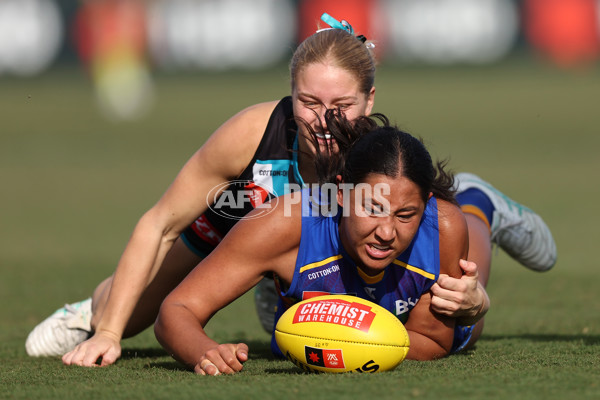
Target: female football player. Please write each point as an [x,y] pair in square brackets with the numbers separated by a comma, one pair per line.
[262,150]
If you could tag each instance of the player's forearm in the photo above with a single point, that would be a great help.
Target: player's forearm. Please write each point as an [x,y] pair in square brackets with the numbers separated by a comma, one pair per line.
[424,348]
[139,264]
[181,334]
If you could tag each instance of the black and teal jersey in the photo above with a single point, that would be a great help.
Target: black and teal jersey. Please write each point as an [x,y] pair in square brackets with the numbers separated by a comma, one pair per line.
[271,173]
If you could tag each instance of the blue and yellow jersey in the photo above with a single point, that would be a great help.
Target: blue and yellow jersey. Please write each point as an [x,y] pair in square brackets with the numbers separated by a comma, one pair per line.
[324,267]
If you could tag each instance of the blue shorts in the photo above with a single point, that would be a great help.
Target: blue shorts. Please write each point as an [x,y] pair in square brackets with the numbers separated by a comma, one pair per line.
[462,335]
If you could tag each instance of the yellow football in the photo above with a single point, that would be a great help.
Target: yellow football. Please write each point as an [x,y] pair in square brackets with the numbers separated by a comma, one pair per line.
[341,333]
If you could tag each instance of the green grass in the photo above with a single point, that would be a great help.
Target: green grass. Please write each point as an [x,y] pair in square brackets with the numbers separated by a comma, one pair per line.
[74,184]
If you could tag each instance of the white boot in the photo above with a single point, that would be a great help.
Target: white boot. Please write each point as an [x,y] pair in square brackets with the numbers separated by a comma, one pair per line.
[515,228]
[62,331]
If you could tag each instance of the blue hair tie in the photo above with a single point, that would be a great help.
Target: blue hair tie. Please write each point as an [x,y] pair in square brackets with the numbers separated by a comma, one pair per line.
[335,24]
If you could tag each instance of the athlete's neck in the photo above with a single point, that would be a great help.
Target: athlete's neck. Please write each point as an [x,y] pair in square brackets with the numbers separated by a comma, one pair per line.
[306,167]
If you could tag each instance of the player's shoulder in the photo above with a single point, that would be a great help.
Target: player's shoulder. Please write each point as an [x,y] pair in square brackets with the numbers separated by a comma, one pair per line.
[275,227]
[286,210]
[278,213]
[257,113]
[451,219]
[237,138]
[454,237]
[252,121]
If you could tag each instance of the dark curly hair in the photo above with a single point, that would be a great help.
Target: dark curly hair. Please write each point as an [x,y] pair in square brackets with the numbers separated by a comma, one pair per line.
[370,145]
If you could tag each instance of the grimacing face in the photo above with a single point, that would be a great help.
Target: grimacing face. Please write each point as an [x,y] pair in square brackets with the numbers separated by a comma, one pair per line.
[323,86]
[377,228]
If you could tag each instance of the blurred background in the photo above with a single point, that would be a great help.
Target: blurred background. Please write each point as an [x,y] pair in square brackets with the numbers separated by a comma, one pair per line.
[103,101]
[123,43]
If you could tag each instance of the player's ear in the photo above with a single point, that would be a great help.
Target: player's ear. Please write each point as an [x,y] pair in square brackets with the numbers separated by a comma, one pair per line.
[340,191]
[370,101]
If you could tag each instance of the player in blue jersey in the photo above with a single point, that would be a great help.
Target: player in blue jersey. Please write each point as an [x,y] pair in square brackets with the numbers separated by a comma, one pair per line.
[385,233]
[262,148]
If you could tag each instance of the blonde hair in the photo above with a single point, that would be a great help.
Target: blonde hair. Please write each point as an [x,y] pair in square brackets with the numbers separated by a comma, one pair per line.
[340,47]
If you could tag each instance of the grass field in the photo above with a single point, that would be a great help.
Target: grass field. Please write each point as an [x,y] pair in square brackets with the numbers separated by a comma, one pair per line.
[74,185]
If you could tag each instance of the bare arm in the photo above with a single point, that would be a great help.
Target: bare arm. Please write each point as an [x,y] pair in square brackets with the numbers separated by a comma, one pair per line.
[223,157]
[234,267]
[431,334]
[465,297]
